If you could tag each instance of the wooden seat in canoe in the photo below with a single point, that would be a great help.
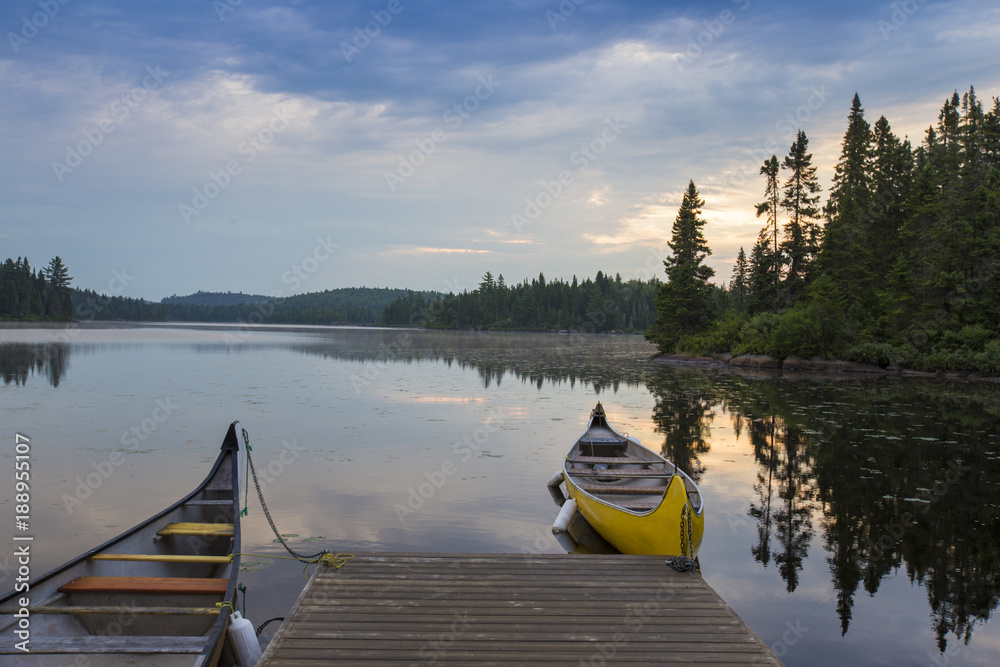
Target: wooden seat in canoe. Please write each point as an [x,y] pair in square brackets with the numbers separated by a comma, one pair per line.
[203,529]
[623,490]
[593,472]
[171,585]
[610,459]
[636,507]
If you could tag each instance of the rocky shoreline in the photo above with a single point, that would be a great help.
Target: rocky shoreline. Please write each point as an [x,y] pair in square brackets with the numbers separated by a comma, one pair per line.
[815,365]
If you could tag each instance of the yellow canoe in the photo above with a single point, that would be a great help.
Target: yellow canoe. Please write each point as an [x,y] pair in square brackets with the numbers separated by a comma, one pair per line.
[637,500]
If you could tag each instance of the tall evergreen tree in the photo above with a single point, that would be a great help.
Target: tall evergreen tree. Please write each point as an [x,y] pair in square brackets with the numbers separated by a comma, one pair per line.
[892,177]
[739,285]
[684,301]
[762,292]
[769,207]
[799,202]
[57,274]
[845,247]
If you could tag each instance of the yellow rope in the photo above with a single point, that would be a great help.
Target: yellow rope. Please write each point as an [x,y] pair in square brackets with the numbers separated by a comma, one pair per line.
[336,560]
[223,605]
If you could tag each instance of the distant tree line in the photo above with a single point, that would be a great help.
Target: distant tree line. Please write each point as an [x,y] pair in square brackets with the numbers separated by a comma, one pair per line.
[599,305]
[898,268]
[46,294]
[352,305]
[201,298]
[27,294]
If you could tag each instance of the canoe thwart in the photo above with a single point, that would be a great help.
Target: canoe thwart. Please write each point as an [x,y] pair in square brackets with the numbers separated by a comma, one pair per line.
[174,585]
[187,528]
[164,558]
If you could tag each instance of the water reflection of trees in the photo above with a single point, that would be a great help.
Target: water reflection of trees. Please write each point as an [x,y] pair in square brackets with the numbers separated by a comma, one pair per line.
[683,414]
[784,491]
[601,362]
[895,475]
[19,361]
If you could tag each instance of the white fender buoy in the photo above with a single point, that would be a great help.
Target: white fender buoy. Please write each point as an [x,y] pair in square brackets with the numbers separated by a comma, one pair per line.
[244,640]
[564,517]
[555,491]
[560,529]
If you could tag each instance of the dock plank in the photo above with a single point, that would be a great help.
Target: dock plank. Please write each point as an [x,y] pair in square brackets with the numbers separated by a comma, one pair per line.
[503,609]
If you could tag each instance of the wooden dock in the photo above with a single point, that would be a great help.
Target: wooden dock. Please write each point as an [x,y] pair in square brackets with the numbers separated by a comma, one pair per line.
[503,609]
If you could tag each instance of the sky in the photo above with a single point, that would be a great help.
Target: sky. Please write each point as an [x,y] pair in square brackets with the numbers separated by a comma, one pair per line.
[277,148]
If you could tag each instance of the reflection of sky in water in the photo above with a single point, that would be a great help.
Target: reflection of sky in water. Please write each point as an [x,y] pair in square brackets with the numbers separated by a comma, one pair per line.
[466,428]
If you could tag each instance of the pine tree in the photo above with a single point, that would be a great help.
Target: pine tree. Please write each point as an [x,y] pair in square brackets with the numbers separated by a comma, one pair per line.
[684,301]
[762,294]
[739,285]
[769,207]
[802,234]
[892,178]
[57,274]
[846,241]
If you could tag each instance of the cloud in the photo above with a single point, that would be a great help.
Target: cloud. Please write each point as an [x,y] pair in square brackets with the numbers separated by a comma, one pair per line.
[422,250]
[710,114]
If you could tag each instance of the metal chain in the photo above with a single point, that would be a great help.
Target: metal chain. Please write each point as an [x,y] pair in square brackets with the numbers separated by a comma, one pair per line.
[683,544]
[685,562]
[263,505]
[687,512]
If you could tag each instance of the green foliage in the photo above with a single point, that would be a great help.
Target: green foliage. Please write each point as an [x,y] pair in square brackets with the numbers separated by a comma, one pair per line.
[595,305]
[722,337]
[876,354]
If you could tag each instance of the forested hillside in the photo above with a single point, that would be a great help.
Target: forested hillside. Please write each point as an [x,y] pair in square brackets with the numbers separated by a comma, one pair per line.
[899,267]
[598,305]
[200,298]
[352,305]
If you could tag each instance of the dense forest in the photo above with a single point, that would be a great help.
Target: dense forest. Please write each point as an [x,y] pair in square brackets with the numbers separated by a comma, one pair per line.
[898,268]
[30,295]
[352,305]
[201,298]
[600,305]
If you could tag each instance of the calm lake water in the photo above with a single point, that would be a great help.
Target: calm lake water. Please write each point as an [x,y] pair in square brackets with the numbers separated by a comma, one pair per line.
[849,522]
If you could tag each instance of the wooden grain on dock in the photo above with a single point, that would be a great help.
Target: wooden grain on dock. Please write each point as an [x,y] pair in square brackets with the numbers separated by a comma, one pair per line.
[502,609]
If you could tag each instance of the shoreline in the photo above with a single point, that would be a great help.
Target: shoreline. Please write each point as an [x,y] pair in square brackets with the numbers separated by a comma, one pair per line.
[822,367]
